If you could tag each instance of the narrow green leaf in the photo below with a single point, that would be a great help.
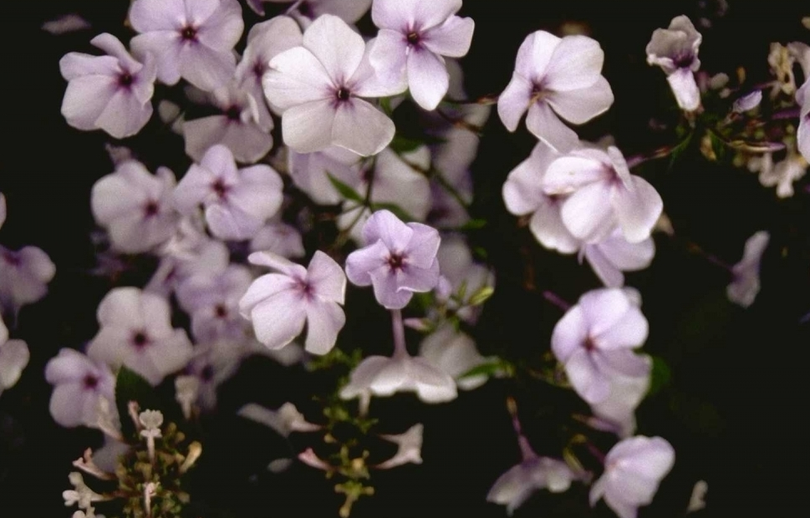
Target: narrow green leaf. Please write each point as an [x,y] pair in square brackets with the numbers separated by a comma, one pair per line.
[344,190]
[481,296]
[660,377]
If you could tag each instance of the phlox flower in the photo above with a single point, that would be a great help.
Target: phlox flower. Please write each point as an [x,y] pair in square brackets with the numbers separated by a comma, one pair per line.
[745,285]
[454,352]
[79,383]
[112,92]
[279,304]
[515,486]
[136,331]
[24,276]
[310,173]
[413,39]
[192,39]
[675,50]
[212,364]
[213,303]
[265,41]
[602,194]
[398,260]
[633,470]
[237,202]
[285,420]
[460,271]
[14,357]
[239,126]
[617,413]
[409,447]
[594,342]
[319,88]
[555,78]
[279,238]
[614,255]
[135,207]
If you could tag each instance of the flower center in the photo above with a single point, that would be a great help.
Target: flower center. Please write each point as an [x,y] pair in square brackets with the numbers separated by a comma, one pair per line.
[589,344]
[396,262]
[219,188]
[414,38]
[207,373]
[125,80]
[258,69]
[12,259]
[90,382]
[188,33]
[221,311]
[151,209]
[343,94]
[233,113]
[683,59]
[140,340]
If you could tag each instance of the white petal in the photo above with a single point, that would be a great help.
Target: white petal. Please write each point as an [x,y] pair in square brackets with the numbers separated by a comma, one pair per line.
[308,128]
[324,321]
[685,88]
[514,101]
[337,47]
[580,106]
[296,77]
[362,128]
[576,63]
[452,38]
[637,210]
[588,213]
[547,126]
[326,277]
[427,78]
[278,319]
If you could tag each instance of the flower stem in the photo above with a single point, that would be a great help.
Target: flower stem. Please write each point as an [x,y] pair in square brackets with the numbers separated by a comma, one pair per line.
[399,333]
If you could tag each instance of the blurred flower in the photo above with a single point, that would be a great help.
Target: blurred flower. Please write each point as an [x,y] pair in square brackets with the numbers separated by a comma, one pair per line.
[285,420]
[614,255]
[24,276]
[136,331]
[744,288]
[409,447]
[14,357]
[213,303]
[633,470]
[515,486]
[79,383]
[454,352]
[135,207]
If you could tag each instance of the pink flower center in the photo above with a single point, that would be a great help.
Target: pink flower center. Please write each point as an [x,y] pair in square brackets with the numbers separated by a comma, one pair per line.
[396,262]
[188,33]
[90,382]
[140,340]
[219,188]
[151,209]
[414,38]
[343,94]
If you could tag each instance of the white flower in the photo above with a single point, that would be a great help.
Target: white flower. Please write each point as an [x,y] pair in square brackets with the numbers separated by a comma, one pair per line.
[24,276]
[151,420]
[744,288]
[213,303]
[285,420]
[453,352]
[112,92]
[614,255]
[675,50]
[383,376]
[237,202]
[278,304]
[555,77]
[136,331]
[409,447]
[135,207]
[192,39]
[319,88]
[515,486]
[413,39]
[633,470]
[14,357]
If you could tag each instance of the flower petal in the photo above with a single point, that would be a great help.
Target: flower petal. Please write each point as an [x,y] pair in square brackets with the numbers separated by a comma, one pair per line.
[361,128]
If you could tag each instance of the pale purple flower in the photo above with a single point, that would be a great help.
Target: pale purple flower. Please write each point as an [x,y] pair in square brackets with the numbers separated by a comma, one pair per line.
[285,420]
[595,339]
[14,357]
[697,501]
[515,486]
[524,194]
[212,364]
[555,77]
[279,238]
[384,376]
[279,304]
[398,260]
[745,285]
[633,470]
[239,126]
[192,39]
[112,92]
[136,331]
[803,132]
[79,383]
[675,50]
[65,24]
[319,89]
[614,255]
[602,195]
[413,39]
[24,276]
[617,413]
[454,352]
[461,272]
[135,207]
[213,303]
[237,203]
[310,173]
[306,10]
[409,447]
[265,40]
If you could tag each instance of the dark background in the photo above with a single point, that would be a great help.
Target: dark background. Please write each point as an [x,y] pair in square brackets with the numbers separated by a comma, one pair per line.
[735,404]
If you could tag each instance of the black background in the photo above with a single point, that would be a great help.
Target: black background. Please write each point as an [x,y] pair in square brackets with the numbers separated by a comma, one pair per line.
[734,409]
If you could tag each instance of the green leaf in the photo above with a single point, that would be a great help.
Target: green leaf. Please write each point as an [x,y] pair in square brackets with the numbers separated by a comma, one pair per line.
[481,296]
[474,224]
[660,377]
[344,190]
[402,144]
[130,386]
[396,209]
[680,149]
[487,369]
